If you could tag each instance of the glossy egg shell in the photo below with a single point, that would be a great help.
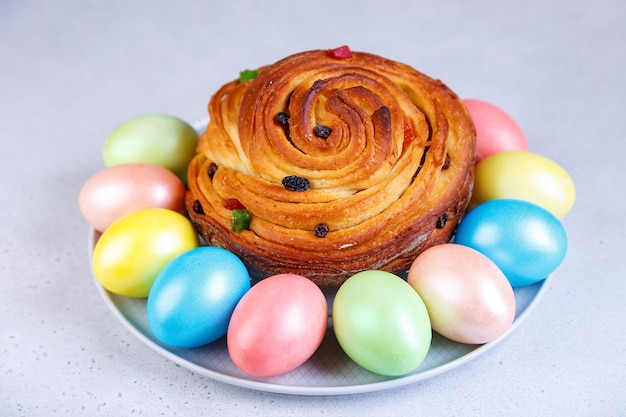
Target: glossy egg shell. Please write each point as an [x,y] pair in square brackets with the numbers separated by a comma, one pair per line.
[526,241]
[157,139]
[194,296]
[496,130]
[130,254]
[525,176]
[381,323]
[277,326]
[114,192]
[469,299]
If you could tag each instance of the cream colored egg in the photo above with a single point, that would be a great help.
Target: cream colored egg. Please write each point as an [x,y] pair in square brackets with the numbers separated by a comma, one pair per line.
[468,298]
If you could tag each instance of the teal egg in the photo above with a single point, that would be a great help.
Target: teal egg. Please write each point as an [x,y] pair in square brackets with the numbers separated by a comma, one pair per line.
[193,297]
[526,241]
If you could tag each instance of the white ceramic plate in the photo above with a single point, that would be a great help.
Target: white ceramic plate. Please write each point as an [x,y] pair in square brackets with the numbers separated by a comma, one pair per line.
[329,372]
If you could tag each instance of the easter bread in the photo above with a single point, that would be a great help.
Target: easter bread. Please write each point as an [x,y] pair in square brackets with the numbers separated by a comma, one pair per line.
[331,162]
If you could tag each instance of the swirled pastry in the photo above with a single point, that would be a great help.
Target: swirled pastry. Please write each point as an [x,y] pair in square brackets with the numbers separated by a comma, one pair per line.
[343,163]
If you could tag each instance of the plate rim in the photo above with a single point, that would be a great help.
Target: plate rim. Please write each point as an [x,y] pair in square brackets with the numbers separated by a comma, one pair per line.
[314,390]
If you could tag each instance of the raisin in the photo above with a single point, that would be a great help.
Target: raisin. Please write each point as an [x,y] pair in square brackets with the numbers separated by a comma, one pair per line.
[321,230]
[197,207]
[441,221]
[212,169]
[296,183]
[322,131]
[283,119]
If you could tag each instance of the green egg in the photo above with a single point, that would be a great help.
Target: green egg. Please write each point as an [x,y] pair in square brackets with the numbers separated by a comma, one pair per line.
[381,323]
[157,139]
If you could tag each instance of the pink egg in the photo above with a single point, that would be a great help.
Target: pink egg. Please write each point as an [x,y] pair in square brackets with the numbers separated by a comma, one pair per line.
[277,325]
[123,189]
[496,131]
[468,298]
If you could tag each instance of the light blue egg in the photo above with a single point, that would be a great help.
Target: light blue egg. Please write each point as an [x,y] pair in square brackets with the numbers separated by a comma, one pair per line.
[526,241]
[194,296]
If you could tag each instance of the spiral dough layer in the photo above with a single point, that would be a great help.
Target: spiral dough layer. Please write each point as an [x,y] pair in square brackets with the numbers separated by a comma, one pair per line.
[343,165]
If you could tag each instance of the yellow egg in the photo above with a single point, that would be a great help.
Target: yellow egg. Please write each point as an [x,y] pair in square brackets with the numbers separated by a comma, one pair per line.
[134,249]
[527,176]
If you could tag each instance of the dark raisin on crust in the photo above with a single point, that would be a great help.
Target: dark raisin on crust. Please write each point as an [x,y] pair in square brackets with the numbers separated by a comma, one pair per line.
[441,221]
[283,120]
[212,169]
[197,207]
[295,183]
[321,230]
[322,131]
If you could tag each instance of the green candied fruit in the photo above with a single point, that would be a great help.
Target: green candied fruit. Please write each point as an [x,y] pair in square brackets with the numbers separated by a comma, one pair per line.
[247,75]
[239,220]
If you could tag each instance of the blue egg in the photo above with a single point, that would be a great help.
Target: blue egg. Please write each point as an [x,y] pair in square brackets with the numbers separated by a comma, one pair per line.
[194,296]
[525,240]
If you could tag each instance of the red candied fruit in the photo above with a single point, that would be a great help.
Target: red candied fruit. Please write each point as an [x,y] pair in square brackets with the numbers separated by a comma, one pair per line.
[409,133]
[342,52]
[233,204]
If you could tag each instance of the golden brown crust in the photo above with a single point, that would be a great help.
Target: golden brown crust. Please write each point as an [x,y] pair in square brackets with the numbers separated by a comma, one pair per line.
[399,159]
